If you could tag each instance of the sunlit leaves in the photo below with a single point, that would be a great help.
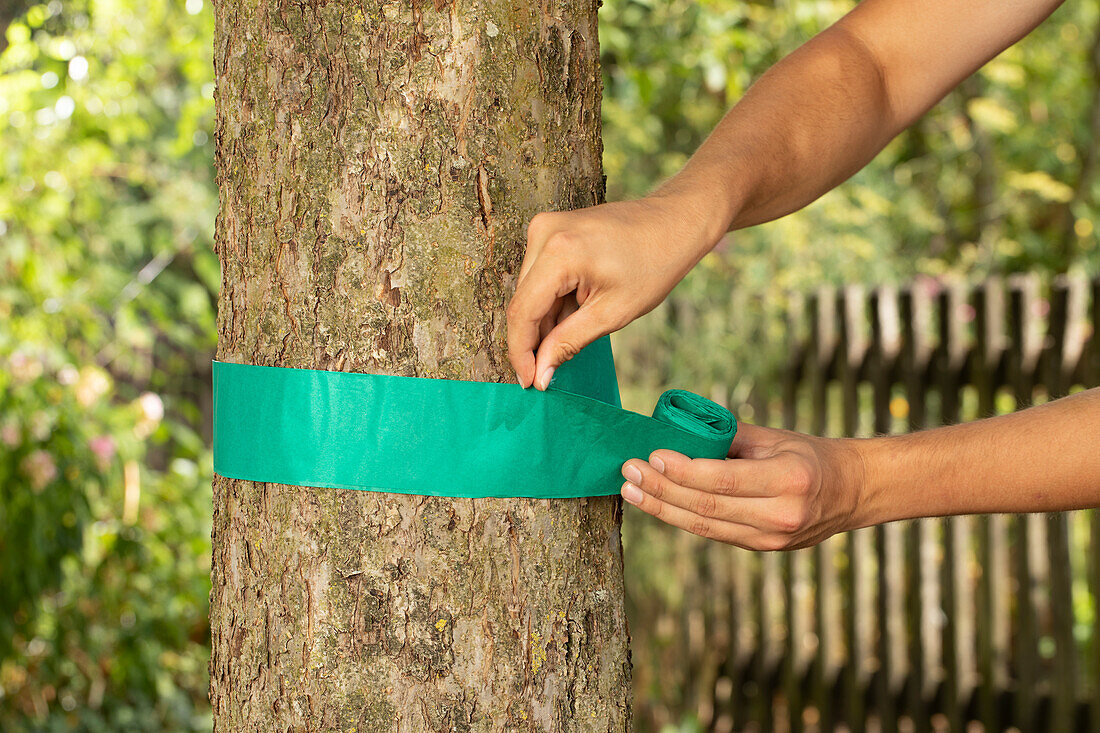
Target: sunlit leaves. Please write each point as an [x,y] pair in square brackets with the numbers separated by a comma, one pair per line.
[106,295]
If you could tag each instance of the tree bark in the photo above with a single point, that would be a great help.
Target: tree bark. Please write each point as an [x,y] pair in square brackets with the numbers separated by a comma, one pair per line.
[377,163]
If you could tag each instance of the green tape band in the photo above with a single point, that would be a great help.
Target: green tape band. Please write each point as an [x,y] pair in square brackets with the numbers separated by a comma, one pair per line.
[437,437]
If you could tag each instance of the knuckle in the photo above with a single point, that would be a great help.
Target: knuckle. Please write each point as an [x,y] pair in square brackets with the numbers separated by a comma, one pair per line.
[567,350]
[559,241]
[791,520]
[517,307]
[538,224]
[798,480]
[656,487]
[705,505]
[725,483]
[701,527]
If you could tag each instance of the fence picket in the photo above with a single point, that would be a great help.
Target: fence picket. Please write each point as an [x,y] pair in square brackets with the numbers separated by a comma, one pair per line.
[853,350]
[990,593]
[742,637]
[914,360]
[823,352]
[891,663]
[1023,352]
[1056,372]
[793,665]
[761,691]
[957,633]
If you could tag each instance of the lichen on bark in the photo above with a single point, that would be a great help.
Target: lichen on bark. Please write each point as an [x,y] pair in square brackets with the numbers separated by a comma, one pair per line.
[377,163]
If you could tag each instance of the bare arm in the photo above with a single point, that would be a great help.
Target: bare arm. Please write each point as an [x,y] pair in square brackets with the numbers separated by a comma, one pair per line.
[806,125]
[824,111]
[783,490]
[1044,459]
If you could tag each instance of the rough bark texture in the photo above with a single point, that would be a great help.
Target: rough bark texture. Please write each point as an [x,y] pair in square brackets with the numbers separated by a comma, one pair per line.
[377,163]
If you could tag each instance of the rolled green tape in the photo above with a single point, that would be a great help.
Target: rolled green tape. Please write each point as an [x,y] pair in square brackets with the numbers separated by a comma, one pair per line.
[437,437]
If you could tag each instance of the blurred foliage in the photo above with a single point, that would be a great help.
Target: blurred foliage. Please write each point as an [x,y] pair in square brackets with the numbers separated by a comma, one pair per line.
[108,284]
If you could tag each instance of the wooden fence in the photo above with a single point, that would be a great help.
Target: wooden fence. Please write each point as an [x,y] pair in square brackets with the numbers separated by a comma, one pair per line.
[967,623]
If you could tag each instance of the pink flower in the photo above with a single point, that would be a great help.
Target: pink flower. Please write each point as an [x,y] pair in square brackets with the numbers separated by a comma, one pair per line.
[104,448]
[24,367]
[9,434]
[40,468]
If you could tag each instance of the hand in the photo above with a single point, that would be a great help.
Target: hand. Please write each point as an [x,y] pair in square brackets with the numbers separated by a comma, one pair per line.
[591,271]
[778,490]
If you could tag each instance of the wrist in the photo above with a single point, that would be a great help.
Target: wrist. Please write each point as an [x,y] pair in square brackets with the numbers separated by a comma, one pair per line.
[883,498]
[705,202]
[844,470]
[856,471]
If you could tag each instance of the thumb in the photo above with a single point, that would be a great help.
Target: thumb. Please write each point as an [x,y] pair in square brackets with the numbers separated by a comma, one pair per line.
[566,339]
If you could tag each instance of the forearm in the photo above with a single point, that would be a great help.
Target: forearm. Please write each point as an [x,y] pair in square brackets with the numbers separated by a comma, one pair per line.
[809,123]
[1046,458]
[825,110]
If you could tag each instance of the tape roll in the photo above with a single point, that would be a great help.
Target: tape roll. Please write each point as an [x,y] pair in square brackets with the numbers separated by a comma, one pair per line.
[437,437]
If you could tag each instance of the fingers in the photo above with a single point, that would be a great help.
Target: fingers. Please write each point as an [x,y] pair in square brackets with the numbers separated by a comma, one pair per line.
[563,308]
[769,514]
[772,496]
[546,325]
[715,475]
[526,325]
[537,231]
[534,299]
[572,334]
[709,527]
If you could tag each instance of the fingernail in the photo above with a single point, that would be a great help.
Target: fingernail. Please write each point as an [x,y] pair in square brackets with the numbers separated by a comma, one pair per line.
[547,375]
[632,474]
[657,463]
[632,493]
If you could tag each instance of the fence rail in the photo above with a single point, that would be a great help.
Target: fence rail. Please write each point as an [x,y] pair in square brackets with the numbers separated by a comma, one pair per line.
[986,622]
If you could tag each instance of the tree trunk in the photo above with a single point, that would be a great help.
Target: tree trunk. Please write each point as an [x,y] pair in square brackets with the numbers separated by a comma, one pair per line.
[377,163]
